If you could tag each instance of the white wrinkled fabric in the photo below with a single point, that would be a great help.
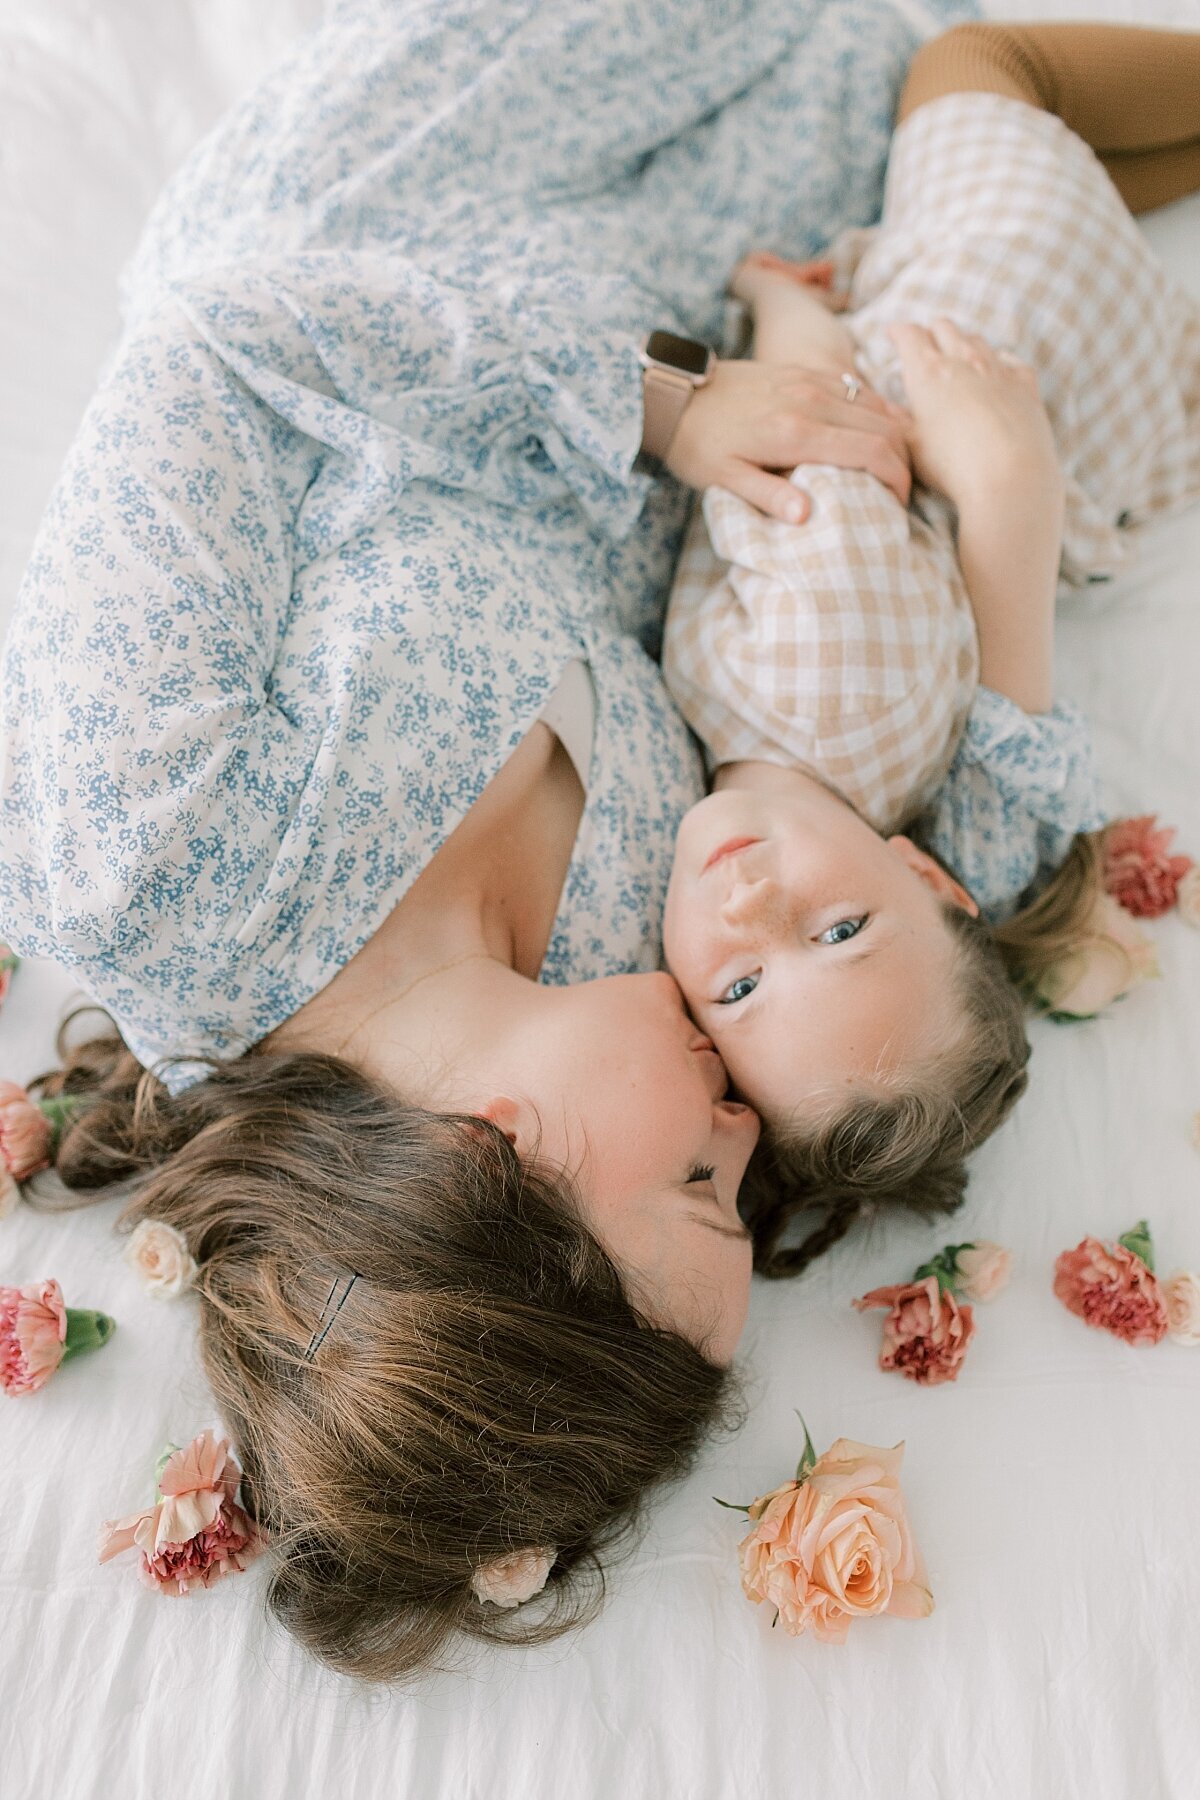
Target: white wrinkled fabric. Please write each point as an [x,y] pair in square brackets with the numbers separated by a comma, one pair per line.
[1052,1489]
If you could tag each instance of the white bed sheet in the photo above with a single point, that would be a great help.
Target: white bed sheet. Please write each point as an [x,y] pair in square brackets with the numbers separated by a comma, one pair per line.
[1055,1488]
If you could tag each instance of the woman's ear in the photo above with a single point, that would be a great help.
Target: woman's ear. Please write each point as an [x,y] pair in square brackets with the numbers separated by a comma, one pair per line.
[515,1118]
[932,874]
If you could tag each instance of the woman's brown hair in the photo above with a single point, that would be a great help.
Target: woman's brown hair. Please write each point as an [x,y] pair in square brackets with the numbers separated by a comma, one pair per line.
[488,1387]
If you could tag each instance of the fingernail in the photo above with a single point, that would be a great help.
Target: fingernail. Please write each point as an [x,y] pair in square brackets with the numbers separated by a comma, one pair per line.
[796,512]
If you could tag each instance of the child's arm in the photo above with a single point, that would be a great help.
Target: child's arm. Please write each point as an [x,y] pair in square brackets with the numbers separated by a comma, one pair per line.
[981,437]
[793,307]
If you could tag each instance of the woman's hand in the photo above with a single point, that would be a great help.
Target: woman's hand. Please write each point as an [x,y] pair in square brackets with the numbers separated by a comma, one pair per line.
[978,422]
[753,419]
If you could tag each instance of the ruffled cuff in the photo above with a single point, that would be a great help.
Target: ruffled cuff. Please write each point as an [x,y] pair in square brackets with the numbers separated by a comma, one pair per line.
[1018,791]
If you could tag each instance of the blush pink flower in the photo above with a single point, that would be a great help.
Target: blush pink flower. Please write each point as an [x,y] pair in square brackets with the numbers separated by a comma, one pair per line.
[926,1332]
[1139,870]
[196,1533]
[1109,1287]
[1112,956]
[983,1269]
[33,1336]
[25,1132]
[836,1546]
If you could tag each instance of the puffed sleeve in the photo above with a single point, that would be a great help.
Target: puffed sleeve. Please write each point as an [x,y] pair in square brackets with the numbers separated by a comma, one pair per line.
[1019,789]
[519,390]
[147,774]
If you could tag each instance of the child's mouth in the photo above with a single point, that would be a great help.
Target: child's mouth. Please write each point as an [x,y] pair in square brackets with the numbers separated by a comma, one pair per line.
[729,848]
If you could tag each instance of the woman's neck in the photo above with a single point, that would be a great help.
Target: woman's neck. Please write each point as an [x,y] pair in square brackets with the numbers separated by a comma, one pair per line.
[491,893]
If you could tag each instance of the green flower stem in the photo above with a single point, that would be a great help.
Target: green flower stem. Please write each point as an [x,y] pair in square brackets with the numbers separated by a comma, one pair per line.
[86,1330]
[1139,1241]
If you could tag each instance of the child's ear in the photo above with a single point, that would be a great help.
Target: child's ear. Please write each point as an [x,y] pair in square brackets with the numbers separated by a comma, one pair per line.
[932,873]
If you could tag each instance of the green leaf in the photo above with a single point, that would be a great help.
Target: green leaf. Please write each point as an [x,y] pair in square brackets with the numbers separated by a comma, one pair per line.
[945,1277]
[733,1505]
[1139,1241]
[805,1466]
[164,1457]
[61,1110]
[86,1331]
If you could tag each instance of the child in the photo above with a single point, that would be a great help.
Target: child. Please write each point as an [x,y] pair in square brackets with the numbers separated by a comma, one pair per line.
[903,661]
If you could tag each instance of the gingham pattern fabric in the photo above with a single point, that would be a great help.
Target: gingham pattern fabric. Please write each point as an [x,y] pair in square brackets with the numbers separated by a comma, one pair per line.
[846,644]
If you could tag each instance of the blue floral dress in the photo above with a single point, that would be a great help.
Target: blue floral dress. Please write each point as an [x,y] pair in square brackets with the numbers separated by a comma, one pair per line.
[357,483]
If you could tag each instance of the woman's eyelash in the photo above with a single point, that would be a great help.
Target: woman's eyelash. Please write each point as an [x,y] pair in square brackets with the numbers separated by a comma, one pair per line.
[856,925]
[702,1172]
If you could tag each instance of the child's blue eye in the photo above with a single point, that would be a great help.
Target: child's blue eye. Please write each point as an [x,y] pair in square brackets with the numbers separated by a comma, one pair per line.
[843,931]
[738,990]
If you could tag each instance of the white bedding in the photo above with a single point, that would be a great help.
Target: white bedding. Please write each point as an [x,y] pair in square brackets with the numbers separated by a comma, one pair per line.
[1055,1488]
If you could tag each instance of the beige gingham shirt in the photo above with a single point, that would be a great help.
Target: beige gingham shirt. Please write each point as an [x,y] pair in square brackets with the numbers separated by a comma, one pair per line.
[847,645]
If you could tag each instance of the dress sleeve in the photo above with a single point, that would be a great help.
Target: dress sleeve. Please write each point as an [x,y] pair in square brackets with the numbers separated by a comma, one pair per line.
[519,391]
[1018,791]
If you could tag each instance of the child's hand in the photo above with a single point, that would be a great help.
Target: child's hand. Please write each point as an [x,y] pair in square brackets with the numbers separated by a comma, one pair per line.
[979,426]
[757,273]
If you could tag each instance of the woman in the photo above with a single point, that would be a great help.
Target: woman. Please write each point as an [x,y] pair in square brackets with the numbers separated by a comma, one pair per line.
[337,769]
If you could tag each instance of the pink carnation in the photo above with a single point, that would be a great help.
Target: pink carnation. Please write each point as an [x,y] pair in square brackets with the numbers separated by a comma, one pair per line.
[33,1331]
[1109,1287]
[196,1533]
[24,1132]
[1139,870]
[926,1332]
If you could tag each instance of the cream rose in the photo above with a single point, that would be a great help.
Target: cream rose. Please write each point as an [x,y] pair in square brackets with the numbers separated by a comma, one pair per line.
[837,1546]
[1181,1297]
[1187,897]
[983,1269]
[159,1256]
[511,1580]
[1111,959]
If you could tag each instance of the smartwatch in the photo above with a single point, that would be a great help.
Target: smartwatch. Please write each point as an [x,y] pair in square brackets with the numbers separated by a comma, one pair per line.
[673,368]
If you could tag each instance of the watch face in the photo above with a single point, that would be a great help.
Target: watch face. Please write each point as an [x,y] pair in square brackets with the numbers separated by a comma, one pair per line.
[684,354]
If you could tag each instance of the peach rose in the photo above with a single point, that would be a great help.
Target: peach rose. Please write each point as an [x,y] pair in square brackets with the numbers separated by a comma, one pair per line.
[837,1546]
[1109,1287]
[1187,897]
[197,1533]
[1139,870]
[159,1255]
[1181,1297]
[511,1580]
[926,1332]
[33,1335]
[1113,957]
[24,1132]
[983,1269]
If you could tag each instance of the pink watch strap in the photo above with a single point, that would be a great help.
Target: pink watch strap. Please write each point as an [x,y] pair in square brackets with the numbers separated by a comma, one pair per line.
[664,399]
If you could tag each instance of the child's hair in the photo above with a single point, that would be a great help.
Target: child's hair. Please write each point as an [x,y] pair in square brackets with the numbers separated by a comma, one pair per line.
[906,1146]
[488,1388]
[910,1146]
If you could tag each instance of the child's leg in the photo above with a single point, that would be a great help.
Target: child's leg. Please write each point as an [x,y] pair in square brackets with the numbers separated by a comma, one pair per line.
[1132,94]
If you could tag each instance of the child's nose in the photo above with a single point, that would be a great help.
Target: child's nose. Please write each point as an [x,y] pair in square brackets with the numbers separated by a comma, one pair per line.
[748,902]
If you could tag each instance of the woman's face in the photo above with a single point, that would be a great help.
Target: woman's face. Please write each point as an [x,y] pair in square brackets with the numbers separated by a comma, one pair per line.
[814,953]
[618,1086]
